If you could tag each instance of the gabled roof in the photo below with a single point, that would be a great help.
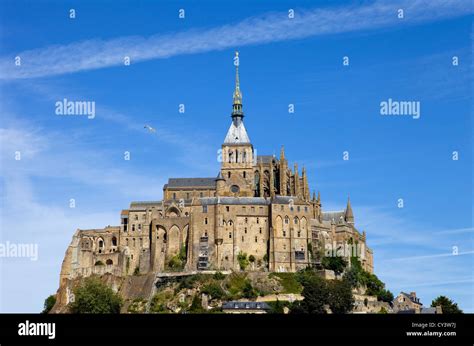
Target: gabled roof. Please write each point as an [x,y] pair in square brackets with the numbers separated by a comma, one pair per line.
[411,298]
[237,134]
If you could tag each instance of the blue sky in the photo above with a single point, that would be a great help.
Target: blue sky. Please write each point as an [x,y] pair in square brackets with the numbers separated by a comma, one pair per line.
[190,61]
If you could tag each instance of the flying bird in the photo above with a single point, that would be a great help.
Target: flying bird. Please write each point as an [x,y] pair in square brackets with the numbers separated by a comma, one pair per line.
[149,128]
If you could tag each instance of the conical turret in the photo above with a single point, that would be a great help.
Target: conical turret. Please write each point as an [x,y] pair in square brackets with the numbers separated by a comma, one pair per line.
[349,216]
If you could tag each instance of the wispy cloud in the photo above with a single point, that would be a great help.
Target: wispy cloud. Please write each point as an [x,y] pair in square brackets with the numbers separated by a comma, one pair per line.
[411,258]
[273,27]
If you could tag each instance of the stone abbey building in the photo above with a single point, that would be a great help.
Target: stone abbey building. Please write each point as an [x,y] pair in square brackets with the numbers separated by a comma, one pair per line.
[255,206]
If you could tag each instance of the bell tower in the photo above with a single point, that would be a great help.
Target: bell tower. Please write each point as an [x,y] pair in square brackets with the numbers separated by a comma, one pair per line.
[237,151]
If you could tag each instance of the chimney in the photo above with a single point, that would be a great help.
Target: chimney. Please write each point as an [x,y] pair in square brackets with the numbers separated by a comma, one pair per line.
[438,309]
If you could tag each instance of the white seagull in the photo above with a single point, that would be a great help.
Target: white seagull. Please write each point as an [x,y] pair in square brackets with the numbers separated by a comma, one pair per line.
[151,129]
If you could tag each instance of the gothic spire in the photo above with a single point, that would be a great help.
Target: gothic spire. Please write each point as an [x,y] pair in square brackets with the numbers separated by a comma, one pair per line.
[237,134]
[237,113]
[349,216]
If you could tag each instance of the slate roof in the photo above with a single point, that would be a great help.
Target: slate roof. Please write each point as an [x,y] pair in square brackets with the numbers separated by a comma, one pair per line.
[265,159]
[142,205]
[336,215]
[235,200]
[411,298]
[285,199]
[237,134]
[234,305]
[191,182]
[429,310]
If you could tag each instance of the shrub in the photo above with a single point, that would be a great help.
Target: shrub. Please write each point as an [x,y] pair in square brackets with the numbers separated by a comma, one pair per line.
[289,282]
[243,261]
[137,306]
[277,306]
[249,291]
[177,262]
[214,290]
[95,297]
[159,300]
[196,305]
[218,276]
[236,284]
[49,303]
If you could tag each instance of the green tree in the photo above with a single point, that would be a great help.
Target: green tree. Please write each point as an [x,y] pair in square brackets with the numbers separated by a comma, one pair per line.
[336,263]
[49,303]
[340,297]
[447,305]
[315,293]
[95,297]
[385,296]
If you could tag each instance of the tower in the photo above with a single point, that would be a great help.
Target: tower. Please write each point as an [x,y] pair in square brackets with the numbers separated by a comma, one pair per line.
[237,151]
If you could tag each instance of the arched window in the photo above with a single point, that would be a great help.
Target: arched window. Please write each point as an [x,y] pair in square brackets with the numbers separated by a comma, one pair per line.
[230,156]
[228,174]
[287,219]
[237,156]
[244,158]
[114,241]
[109,262]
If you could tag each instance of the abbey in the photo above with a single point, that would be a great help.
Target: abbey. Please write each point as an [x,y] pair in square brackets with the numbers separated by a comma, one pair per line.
[255,208]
